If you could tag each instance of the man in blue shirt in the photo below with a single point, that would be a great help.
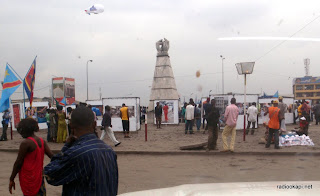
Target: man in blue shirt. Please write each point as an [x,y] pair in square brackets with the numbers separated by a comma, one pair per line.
[5,124]
[86,165]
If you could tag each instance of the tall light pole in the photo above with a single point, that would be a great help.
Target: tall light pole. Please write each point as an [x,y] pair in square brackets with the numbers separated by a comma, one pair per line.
[88,79]
[209,93]
[244,69]
[222,58]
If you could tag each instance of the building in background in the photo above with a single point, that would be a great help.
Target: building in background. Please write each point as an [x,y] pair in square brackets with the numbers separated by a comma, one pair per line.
[64,87]
[307,87]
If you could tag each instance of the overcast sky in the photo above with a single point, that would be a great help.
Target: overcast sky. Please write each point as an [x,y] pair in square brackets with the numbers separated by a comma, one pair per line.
[121,43]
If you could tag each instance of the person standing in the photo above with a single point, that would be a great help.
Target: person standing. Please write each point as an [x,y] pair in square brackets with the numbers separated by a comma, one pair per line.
[230,118]
[106,124]
[213,121]
[124,115]
[86,165]
[29,163]
[283,109]
[62,126]
[158,114]
[305,110]
[5,123]
[316,111]
[189,118]
[166,111]
[197,116]
[69,112]
[206,108]
[53,125]
[183,112]
[252,118]
[49,139]
[274,124]
[295,112]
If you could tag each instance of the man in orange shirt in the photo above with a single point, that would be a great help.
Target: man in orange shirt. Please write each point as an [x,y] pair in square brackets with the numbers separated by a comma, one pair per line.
[124,115]
[274,124]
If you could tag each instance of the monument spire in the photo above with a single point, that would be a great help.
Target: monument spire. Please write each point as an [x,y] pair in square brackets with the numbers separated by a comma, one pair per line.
[163,85]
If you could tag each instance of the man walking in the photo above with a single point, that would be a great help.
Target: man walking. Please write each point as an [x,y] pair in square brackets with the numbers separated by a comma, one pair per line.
[158,114]
[189,117]
[230,117]
[124,115]
[5,124]
[316,111]
[283,109]
[252,118]
[213,120]
[274,125]
[106,124]
[86,165]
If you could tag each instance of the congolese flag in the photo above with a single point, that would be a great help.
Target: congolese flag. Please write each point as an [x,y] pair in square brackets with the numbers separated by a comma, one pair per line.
[29,80]
[63,102]
[10,84]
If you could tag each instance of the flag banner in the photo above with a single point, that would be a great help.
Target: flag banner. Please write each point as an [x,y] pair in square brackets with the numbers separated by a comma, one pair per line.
[10,84]
[29,81]
[276,94]
[63,102]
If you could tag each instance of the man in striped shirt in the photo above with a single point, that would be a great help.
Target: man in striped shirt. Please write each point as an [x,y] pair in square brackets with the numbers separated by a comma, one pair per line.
[86,165]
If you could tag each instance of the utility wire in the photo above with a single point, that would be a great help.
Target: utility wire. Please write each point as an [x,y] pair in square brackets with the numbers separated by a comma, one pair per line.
[276,46]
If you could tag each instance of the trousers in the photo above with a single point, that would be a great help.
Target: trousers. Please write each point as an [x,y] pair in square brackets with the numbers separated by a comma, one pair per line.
[226,132]
[189,126]
[276,137]
[213,137]
[110,133]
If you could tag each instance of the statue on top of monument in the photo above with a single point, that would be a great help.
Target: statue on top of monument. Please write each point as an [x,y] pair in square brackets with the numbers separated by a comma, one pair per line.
[162,47]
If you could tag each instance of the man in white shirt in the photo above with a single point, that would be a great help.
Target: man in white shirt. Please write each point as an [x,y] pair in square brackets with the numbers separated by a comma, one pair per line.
[189,117]
[252,118]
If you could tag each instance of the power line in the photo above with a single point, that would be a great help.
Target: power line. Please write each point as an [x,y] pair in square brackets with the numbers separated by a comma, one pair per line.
[276,46]
[149,79]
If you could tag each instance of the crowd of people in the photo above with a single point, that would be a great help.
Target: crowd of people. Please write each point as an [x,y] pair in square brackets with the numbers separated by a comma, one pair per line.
[85,166]
[83,147]
[272,114]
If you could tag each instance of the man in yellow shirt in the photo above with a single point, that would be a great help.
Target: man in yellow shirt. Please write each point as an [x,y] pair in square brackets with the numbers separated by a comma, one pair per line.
[124,115]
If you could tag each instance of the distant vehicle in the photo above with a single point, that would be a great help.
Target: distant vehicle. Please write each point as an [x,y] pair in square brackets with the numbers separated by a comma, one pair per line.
[95,9]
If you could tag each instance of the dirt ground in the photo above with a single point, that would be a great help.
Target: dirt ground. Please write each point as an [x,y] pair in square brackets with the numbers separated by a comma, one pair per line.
[142,172]
[171,137]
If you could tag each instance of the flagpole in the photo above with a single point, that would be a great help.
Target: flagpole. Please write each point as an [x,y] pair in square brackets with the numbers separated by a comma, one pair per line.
[24,102]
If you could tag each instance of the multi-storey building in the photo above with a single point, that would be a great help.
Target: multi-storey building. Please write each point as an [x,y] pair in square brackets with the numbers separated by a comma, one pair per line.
[307,87]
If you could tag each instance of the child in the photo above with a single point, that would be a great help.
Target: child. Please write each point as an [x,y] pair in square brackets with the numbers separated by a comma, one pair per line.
[29,163]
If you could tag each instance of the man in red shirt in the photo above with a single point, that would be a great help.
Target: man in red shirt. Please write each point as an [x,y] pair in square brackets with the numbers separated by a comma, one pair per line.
[165,111]
[29,163]
[274,124]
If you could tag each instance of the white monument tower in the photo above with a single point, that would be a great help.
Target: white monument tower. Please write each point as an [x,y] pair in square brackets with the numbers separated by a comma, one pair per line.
[163,85]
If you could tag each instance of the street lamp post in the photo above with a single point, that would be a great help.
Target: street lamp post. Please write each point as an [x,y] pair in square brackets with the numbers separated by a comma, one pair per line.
[244,69]
[222,58]
[209,93]
[88,79]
